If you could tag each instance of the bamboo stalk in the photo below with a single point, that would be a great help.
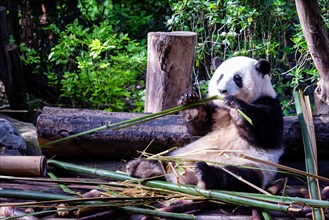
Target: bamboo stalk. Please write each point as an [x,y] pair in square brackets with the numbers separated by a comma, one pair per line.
[156,213]
[66,181]
[218,195]
[191,190]
[303,110]
[52,198]
[282,199]
[93,171]
[61,198]
[23,165]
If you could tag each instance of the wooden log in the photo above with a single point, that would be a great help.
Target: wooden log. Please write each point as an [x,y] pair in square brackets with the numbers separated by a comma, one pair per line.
[157,135]
[293,139]
[169,68]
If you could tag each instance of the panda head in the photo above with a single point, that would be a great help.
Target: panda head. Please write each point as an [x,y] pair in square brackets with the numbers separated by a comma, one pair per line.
[243,77]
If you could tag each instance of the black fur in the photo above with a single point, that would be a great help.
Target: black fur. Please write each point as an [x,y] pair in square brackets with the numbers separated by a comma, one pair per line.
[216,178]
[267,121]
[265,113]
[263,66]
[216,62]
[238,81]
[199,119]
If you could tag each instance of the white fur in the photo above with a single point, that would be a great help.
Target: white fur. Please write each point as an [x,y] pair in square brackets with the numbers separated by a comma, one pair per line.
[224,147]
[255,84]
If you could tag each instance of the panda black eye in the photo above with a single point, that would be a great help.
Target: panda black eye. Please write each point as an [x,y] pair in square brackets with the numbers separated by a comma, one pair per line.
[238,81]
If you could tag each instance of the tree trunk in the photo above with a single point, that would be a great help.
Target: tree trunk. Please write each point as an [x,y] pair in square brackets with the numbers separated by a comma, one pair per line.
[169,68]
[318,43]
[156,135]
[11,70]
[13,20]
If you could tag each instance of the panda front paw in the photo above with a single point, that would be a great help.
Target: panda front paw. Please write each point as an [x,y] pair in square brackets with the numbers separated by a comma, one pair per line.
[191,113]
[188,98]
[143,168]
[232,102]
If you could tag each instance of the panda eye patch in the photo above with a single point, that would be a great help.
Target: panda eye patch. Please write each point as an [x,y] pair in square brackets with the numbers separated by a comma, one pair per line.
[238,80]
[220,78]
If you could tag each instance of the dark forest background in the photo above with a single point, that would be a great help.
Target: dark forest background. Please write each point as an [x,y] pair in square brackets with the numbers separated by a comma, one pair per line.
[92,53]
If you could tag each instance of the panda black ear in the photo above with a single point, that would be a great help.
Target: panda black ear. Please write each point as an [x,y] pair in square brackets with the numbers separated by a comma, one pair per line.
[263,66]
[216,62]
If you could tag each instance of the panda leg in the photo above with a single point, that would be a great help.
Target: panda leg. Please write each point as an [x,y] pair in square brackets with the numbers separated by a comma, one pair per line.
[211,177]
[143,168]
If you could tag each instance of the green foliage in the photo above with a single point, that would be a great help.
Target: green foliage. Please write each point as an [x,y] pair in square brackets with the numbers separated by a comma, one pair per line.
[96,62]
[136,18]
[30,56]
[259,29]
[98,67]
[93,52]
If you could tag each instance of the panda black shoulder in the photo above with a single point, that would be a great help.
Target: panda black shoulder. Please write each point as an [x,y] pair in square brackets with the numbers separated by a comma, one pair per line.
[267,123]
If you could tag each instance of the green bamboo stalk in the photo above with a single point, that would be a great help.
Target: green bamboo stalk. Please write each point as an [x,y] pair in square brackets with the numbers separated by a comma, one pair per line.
[282,199]
[217,195]
[134,121]
[191,190]
[20,194]
[309,160]
[159,184]
[49,196]
[156,213]
[92,171]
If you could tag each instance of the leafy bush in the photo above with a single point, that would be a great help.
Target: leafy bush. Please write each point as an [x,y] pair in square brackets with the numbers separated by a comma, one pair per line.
[90,59]
[98,68]
[93,61]
[136,18]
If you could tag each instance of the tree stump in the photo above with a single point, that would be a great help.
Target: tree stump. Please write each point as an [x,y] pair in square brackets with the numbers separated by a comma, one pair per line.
[169,68]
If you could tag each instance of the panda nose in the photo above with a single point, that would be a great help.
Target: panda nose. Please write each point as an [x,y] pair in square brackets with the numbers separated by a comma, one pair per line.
[222,91]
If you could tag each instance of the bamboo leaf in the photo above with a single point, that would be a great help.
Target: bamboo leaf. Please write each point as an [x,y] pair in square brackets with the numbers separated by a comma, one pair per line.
[62,186]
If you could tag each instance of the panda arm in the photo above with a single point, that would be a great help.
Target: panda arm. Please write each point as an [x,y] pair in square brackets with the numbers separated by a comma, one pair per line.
[267,121]
[199,119]
[203,122]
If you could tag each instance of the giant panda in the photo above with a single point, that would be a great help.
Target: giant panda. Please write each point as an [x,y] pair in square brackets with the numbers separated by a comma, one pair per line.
[242,83]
